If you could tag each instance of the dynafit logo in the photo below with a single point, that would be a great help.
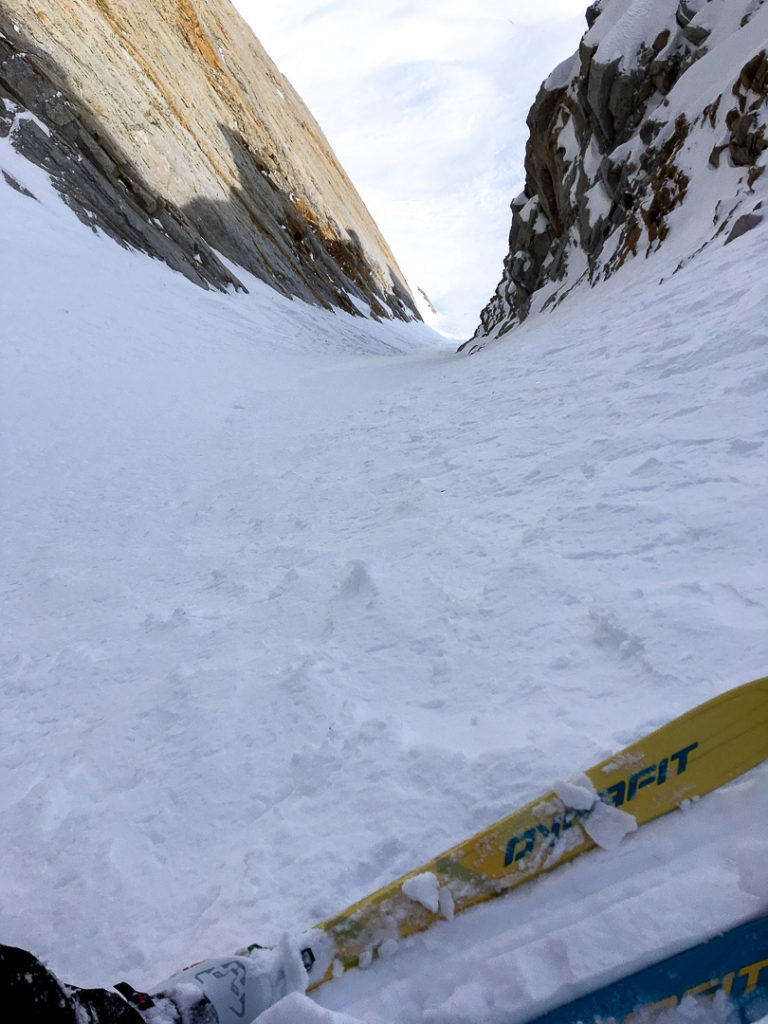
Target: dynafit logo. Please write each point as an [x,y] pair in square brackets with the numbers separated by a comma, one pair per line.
[620,793]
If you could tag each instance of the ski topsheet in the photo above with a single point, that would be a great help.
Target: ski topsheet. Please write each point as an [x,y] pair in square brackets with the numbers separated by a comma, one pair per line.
[734,963]
[686,758]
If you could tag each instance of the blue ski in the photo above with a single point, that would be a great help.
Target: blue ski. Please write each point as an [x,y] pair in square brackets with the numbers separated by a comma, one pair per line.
[735,962]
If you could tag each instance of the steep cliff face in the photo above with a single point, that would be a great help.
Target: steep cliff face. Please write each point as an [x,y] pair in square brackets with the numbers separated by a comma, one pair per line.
[165,124]
[654,134]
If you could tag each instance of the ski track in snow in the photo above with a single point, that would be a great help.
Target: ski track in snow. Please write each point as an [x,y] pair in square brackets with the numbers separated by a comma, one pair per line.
[293,601]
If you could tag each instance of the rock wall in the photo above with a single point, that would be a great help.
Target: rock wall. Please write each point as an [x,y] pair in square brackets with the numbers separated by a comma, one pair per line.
[165,124]
[656,129]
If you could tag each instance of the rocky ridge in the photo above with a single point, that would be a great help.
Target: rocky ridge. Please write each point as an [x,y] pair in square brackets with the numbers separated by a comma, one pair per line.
[166,125]
[653,134]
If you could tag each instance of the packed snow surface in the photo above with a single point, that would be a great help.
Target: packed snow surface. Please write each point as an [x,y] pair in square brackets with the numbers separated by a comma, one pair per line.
[292,601]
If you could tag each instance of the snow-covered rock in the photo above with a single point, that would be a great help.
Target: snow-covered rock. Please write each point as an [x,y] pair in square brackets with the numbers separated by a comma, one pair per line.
[653,134]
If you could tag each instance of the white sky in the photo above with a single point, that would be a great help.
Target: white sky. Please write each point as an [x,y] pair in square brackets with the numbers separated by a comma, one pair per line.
[424,103]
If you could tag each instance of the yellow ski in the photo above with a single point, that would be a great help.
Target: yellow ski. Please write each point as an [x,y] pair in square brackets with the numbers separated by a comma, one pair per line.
[686,758]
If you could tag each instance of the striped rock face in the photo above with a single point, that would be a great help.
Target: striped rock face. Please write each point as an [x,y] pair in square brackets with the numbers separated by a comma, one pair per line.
[165,124]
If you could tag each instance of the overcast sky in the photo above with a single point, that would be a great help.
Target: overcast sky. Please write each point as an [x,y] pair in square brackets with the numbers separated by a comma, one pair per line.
[424,103]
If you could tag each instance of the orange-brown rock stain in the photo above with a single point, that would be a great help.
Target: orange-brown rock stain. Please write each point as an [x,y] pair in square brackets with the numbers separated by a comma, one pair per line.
[195,35]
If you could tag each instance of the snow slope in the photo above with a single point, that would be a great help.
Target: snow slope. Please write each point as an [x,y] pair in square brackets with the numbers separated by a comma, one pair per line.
[293,601]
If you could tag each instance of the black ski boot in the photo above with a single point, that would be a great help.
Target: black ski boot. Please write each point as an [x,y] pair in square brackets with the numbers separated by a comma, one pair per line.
[36,996]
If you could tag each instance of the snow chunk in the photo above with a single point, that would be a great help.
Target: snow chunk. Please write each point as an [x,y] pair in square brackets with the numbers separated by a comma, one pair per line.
[608,825]
[300,1009]
[578,794]
[289,959]
[423,889]
[387,949]
[446,903]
